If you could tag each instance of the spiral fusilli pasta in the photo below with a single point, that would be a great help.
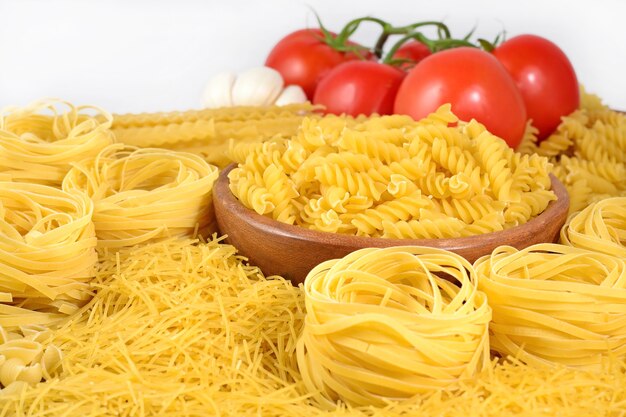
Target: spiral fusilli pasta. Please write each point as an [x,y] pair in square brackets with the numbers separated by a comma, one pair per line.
[417,179]
[588,152]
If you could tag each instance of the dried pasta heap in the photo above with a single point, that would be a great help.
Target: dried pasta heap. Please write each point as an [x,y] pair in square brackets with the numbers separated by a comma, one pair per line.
[40,141]
[207,132]
[175,328]
[555,304]
[588,151]
[178,328]
[47,253]
[382,326]
[392,177]
[27,358]
[146,194]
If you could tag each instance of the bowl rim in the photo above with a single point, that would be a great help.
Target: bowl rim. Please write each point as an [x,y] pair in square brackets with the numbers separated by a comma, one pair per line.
[222,192]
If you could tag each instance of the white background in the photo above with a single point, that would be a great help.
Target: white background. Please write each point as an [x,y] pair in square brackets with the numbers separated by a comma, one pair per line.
[140,55]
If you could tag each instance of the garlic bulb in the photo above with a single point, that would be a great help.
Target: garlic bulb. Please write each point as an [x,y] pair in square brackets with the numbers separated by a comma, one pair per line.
[262,86]
[218,90]
[291,94]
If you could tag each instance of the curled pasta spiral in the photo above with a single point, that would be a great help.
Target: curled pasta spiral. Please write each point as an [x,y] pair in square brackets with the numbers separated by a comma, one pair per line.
[600,227]
[39,142]
[145,194]
[400,166]
[47,253]
[588,152]
[384,324]
[555,304]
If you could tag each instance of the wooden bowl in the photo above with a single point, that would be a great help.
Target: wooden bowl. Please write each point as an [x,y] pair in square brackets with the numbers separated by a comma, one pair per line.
[292,251]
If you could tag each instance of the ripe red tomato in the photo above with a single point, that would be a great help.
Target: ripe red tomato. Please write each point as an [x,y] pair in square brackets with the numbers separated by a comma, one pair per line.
[359,87]
[544,76]
[476,85]
[413,52]
[302,58]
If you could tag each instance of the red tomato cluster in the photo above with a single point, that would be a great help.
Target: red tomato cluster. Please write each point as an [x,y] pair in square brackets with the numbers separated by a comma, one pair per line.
[526,77]
[303,58]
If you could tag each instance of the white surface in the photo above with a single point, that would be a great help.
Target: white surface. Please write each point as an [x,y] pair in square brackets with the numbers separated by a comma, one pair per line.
[157,55]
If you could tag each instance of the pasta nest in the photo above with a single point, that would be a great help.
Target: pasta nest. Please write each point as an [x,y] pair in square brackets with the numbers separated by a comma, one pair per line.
[600,227]
[146,194]
[555,304]
[392,177]
[39,142]
[47,253]
[386,324]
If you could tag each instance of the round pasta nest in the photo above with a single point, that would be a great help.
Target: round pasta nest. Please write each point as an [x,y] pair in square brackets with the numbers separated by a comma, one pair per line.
[600,227]
[555,304]
[386,324]
[38,147]
[47,253]
[146,194]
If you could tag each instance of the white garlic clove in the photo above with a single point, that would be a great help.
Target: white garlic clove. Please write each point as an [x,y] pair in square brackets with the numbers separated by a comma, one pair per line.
[218,91]
[257,87]
[290,95]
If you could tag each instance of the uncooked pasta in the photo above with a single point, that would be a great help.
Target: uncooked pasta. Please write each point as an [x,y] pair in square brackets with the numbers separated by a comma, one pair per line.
[600,227]
[47,253]
[39,142]
[207,132]
[588,151]
[180,328]
[26,358]
[555,304]
[392,177]
[386,324]
[146,194]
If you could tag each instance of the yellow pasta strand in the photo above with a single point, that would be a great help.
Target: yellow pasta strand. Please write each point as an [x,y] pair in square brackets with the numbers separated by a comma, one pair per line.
[381,325]
[146,194]
[224,114]
[47,253]
[39,142]
[207,132]
[175,328]
[555,304]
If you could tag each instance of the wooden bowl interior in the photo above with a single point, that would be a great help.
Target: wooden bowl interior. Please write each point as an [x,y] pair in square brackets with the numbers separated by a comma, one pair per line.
[292,251]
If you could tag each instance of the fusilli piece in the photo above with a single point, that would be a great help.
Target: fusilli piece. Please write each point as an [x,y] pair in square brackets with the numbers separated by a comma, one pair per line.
[392,177]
